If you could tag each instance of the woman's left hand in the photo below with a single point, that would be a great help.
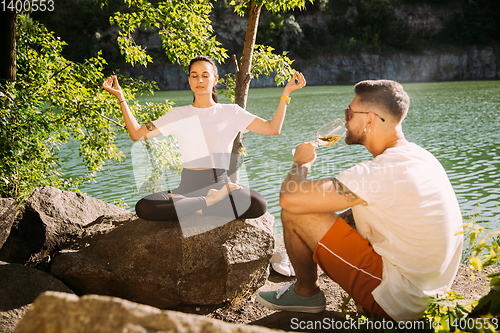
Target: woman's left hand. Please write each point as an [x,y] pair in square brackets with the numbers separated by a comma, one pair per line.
[297,82]
[273,127]
[115,90]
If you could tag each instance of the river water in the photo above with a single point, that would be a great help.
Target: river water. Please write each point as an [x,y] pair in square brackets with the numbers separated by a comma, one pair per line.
[458,122]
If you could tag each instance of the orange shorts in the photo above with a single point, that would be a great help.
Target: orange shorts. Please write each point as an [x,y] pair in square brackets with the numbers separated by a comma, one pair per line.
[349,259]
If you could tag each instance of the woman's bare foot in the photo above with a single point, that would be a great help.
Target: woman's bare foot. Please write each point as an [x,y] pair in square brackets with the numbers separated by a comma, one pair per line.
[215,196]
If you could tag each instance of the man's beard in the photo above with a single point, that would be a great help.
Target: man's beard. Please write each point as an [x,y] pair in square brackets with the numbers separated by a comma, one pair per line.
[355,139]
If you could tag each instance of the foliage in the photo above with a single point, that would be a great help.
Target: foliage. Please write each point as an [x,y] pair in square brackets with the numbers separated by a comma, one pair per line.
[475,23]
[280,32]
[439,2]
[87,27]
[292,34]
[363,321]
[372,25]
[481,314]
[369,26]
[270,29]
[315,41]
[275,6]
[120,203]
[184,26]
[52,101]
[355,26]
[485,252]
[157,156]
[186,31]
[446,310]
[55,99]
[484,248]
[266,63]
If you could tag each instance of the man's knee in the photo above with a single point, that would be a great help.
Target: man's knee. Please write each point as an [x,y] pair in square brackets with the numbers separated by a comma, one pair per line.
[289,217]
[308,223]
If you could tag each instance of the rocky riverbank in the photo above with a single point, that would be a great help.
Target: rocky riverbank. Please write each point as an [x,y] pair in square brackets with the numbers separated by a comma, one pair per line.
[70,243]
[65,241]
[93,313]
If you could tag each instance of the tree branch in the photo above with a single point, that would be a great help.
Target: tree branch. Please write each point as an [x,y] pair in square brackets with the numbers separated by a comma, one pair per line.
[236,67]
[111,120]
[83,122]
[59,71]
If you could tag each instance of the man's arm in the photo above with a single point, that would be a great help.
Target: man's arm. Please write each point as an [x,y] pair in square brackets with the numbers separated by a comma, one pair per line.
[299,195]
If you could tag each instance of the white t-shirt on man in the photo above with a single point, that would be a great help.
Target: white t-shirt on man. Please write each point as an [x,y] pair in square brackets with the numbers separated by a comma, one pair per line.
[411,218]
[205,135]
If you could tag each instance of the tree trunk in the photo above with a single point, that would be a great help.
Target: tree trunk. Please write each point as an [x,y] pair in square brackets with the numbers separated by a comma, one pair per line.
[243,77]
[7,45]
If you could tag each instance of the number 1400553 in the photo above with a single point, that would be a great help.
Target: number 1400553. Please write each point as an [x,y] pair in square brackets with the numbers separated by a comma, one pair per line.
[27,5]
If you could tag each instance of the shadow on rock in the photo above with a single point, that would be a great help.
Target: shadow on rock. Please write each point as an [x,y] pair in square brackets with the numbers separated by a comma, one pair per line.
[330,321]
[19,287]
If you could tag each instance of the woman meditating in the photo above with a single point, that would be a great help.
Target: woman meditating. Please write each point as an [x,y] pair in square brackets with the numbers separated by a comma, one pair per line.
[205,131]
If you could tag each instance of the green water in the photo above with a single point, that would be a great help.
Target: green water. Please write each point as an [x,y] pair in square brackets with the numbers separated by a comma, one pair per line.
[457,121]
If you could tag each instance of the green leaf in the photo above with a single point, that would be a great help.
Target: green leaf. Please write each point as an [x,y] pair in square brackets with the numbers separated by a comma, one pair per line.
[495,304]
[495,282]
[443,302]
[476,263]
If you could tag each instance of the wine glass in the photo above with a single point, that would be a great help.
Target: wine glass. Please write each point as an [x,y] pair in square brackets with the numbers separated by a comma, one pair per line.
[329,134]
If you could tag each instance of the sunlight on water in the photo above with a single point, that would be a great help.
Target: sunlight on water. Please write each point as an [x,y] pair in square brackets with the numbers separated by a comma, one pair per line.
[456,121]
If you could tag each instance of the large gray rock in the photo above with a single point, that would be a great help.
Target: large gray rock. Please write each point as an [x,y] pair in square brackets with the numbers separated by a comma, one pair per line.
[153,263]
[64,313]
[7,214]
[46,220]
[19,287]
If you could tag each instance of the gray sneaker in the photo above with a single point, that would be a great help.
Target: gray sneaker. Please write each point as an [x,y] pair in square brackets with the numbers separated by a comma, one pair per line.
[287,300]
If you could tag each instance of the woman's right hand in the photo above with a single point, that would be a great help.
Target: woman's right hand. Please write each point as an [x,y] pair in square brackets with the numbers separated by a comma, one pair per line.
[297,82]
[116,90]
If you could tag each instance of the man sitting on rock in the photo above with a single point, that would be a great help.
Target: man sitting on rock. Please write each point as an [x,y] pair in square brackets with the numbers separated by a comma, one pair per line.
[398,245]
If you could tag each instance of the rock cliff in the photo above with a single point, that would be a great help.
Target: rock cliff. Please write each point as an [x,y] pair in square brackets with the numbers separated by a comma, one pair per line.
[469,64]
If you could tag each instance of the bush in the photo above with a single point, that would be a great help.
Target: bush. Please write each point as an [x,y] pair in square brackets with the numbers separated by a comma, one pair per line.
[292,34]
[54,100]
[476,23]
[270,29]
[370,26]
[82,23]
[316,40]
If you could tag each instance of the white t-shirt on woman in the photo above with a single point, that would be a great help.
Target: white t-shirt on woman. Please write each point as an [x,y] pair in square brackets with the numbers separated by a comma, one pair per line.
[205,135]
[411,218]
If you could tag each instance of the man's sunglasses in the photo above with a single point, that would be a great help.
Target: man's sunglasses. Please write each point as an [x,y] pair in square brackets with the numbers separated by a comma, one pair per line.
[349,112]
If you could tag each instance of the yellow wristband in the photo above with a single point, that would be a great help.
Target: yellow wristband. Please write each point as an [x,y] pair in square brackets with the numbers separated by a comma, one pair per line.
[286,99]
